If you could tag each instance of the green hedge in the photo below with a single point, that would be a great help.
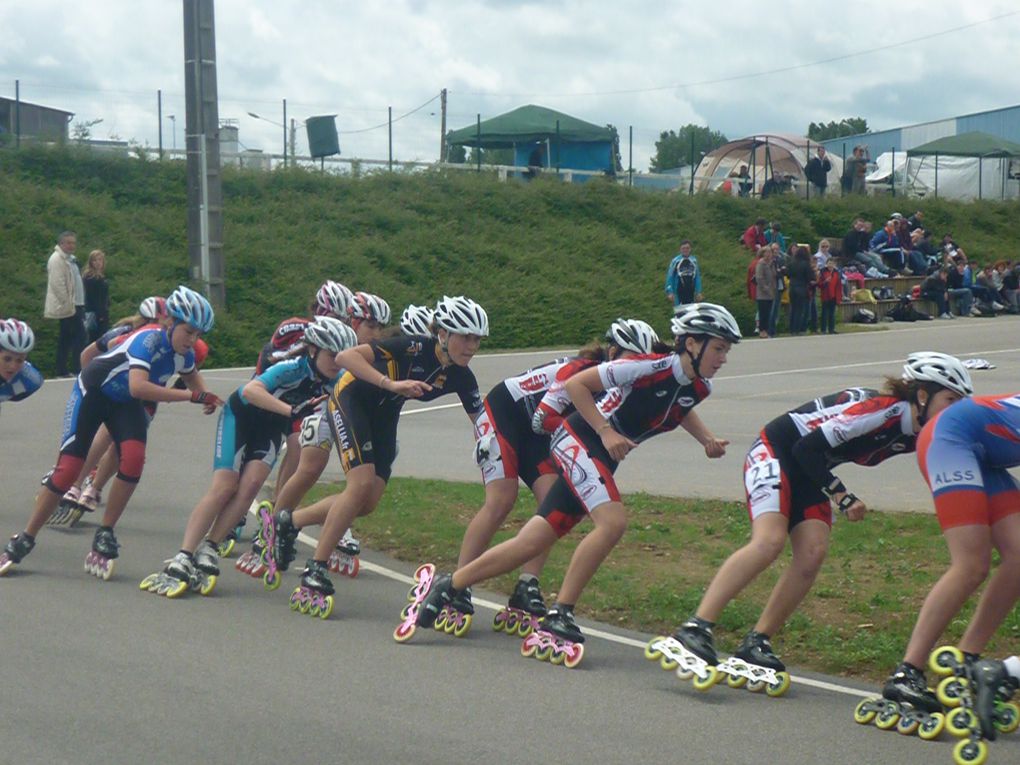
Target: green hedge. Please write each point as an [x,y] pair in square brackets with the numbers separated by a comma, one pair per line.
[552,263]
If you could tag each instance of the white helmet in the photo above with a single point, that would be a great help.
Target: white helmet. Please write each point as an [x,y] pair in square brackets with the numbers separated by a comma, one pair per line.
[416,320]
[186,305]
[705,319]
[330,334]
[153,308]
[940,368]
[16,336]
[333,299]
[632,335]
[368,306]
[462,316]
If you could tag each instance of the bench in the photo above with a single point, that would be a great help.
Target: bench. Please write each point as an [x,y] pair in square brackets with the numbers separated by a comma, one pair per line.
[846,310]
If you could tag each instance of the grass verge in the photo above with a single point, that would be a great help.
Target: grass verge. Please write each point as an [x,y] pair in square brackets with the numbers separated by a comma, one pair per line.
[855,623]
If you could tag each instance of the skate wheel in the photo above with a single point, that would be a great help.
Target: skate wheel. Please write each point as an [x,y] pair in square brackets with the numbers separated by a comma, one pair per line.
[669,664]
[406,610]
[528,649]
[704,683]
[313,608]
[755,686]
[460,630]
[1007,717]
[148,583]
[864,712]
[736,681]
[525,627]
[950,690]
[450,624]
[943,659]
[651,652]
[781,686]
[104,572]
[440,621]
[404,632]
[208,585]
[499,621]
[271,581]
[573,655]
[681,672]
[887,718]
[5,564]
[75,516]
[420,572]
[960,722]
[557,657]
[969,752]
[907,726]
[305,605]
[295,599]
[544,654]
[327,607]
[226,547]
[354,567]
[932,726]
[176,589]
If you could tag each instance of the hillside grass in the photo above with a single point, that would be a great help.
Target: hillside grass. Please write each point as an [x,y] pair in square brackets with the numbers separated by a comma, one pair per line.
[552,263]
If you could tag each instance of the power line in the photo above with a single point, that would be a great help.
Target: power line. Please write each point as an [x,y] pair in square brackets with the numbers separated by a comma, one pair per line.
[749,75]
[388,122]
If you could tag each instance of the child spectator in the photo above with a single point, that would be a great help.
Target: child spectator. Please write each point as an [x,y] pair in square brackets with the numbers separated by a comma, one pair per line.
[830,287]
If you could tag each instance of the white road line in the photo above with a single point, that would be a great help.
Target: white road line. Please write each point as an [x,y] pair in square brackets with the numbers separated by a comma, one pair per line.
[589,631]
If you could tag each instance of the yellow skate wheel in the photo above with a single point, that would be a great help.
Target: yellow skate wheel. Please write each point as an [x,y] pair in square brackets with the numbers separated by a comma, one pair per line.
[498,622]
[887,718]
[460,630]
[969,752]
[710,679]
[450,625]
[327,607]
[653,654]
[176,589]
[148,583]
[781,686]
[668,664]
[404,633]
[932,727]
[950,689]
[544,654]
[1008,718]
[208,585]
[305,606]
[942,659]
[558,657]
[863,713]
[525,628]
[736,681]
[907,725]
[440,623]
[295,599]
[227,547]
[271,582]
[960,722]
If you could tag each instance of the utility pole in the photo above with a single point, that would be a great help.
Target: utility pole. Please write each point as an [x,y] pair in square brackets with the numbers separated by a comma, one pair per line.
[205,191]
[293,139]
[442,126]
[159,117]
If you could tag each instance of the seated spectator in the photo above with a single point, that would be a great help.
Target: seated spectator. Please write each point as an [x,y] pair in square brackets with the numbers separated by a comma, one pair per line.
[957,291]
[916,220]
[934,289]
[754,237]
[774,235]
[887,244]
[822,256]
[855,249]
[985,282]
[984,296]
[925,246]
[1011,287]
[916,260]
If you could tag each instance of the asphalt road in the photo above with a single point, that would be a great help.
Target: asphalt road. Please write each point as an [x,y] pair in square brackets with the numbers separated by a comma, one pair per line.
[99,672]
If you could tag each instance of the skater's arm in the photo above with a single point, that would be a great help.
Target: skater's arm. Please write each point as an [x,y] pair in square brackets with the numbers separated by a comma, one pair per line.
[714,447]
[809,452]
[257,394]
[581,388]
[141,387]
[90,352]
[358,361]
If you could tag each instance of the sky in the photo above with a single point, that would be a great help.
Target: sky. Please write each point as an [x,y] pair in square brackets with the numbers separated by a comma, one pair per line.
[741,67]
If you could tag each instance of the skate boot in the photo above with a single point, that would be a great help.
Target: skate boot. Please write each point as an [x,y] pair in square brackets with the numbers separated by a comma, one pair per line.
[455,618]
[435,599]
[756,666]
[68,504]
[207,560]
[314,596]
[690,651]
[344,559]
[179,575]
[16,549]
[987,696]
[522,611]
[279,536]
[906,704]
[557,640]
[423,578]
[251,562]
[105,551]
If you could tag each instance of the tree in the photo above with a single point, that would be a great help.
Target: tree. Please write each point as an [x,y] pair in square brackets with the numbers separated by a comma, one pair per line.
[822,131]
[456,154]
[673,149]
[82,131]
[617,158]
[492,156]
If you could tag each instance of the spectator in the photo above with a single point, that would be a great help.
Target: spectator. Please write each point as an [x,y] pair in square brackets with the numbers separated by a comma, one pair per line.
[916,220]
[934,289]
[831,288]
[774,235]
[822,256]
[916,260]
[743,181]
[956,290]
[779,260]
[97,296]
[860,167]
[766,276]
[985,296]
[817,172]
[752,285]
[984,288]
[1011,287]
[754,237]
[801,281]
[887,244]
[65,301]
[855,248]
[683,278]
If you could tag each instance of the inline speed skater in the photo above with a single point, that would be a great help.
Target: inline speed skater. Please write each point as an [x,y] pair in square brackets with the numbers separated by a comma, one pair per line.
[18,378]
[644,396]
[110,392]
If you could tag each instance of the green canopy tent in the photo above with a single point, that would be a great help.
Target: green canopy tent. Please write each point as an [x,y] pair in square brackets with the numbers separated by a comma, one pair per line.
[975,145]
[555,138]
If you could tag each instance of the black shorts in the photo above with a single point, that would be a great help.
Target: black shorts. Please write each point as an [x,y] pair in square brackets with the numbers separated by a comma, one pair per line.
[88,409]
[245,434]
[508,447]
[364,432]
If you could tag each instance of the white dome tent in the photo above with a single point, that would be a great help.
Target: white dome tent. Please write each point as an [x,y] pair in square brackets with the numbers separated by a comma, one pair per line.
[769,157]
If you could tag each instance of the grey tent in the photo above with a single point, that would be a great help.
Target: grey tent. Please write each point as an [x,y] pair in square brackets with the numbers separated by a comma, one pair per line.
[976,152]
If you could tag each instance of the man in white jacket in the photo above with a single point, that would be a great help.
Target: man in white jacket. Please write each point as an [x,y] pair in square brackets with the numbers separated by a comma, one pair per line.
[65,301]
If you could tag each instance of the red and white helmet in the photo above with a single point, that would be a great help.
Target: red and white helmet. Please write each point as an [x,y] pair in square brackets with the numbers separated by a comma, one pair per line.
[333,299]
[367,306]
[16,336]
[153,308]
[462,316]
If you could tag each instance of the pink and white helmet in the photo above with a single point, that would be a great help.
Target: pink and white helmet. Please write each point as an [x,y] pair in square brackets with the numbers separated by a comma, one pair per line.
[16,336]
[368,306]
[333,299]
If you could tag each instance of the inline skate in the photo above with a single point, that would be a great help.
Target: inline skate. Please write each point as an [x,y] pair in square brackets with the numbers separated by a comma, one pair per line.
[906,704]
[179,575]
[278,536]
[314,596]
[251,562]
[102,558]
[756,666]
[14,552]
[226,547]
[68,504]
[433,601]
[522,611]
[206,558]
[344,559]
[690,652]
[423,577]
[557,640]
[455,617]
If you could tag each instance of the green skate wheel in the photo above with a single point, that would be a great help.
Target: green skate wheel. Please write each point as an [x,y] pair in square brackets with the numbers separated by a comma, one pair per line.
[208,585]
[327,608]
[864,713]
[271,582]
[736,681]
[460,630]
[544,654]
[705,683]
[653,654]
[969,752]
[1007,717]
[781,686]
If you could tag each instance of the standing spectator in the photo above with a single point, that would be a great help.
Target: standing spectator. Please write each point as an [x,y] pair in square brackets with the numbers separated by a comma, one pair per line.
[766,276]
[97,296]
[683,278]
[801,281]
[754,237]
[752,284]
[743,181]
[862,157]
[779,260]
[830,285]
[934,288]
[817,172]
[822,256]
[65,300]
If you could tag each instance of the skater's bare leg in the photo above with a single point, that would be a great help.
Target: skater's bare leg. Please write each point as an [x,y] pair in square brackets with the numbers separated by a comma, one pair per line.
[610,519]
[311,462]
[253,475]
[105,470]
[289,464]
[116,502]
[361,495]
[500,496]
[46,502]
[1003,588]
[810,542]
[102,445]
[540,488]
[224,486]
[535,538]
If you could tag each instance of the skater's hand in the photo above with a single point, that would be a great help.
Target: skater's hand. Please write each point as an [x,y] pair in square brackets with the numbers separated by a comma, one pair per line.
[407,388]
[616,444]
[854,509]
[305,408]
[207,399]
[715,448]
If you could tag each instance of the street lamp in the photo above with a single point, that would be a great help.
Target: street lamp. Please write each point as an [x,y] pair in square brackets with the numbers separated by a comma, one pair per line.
[173,128]
[253,115]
